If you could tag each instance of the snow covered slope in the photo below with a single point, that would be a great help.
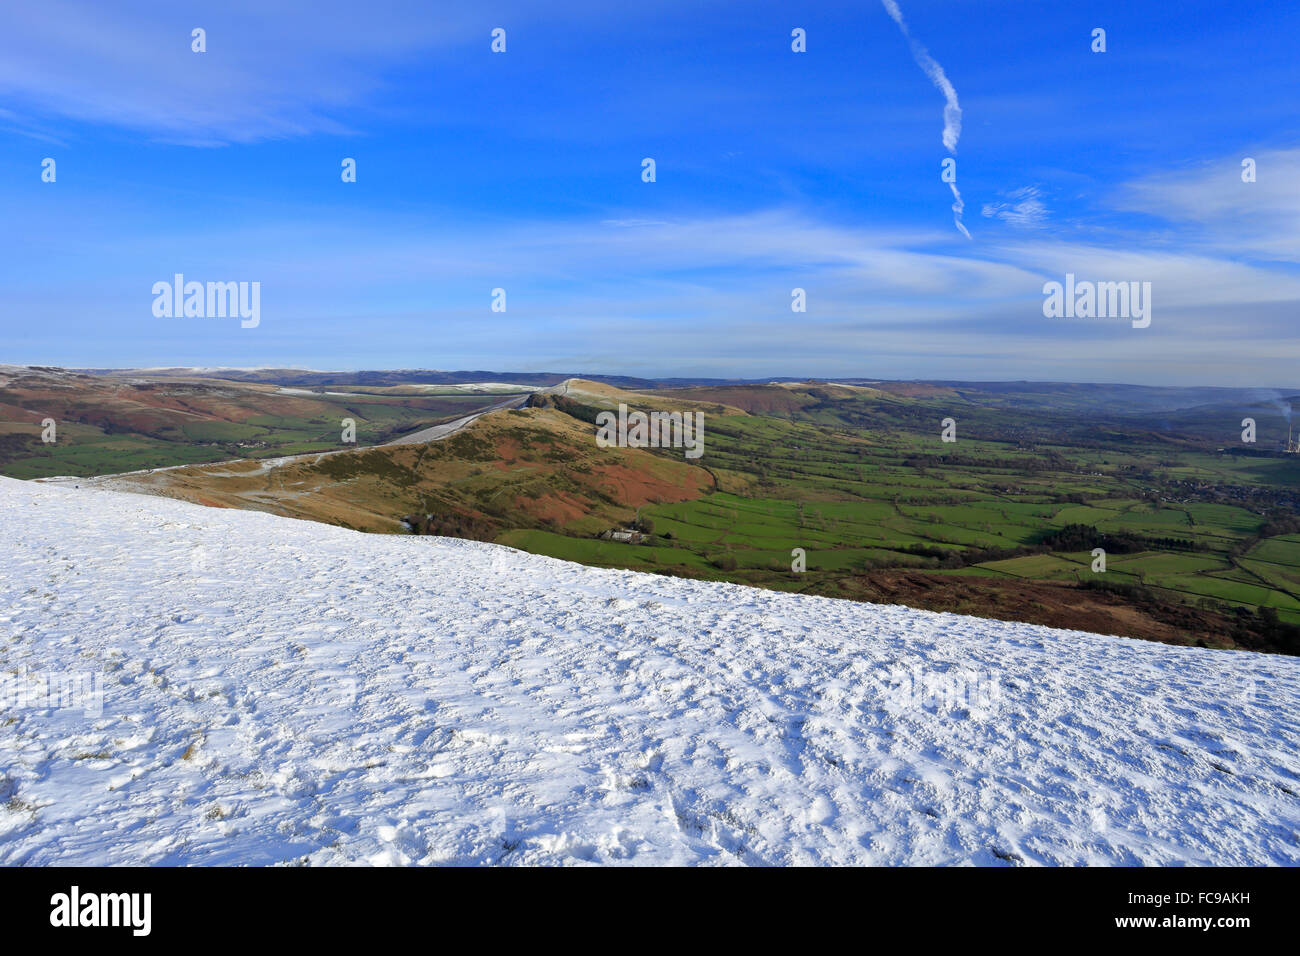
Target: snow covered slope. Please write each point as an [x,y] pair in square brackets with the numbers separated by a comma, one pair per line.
[276,690]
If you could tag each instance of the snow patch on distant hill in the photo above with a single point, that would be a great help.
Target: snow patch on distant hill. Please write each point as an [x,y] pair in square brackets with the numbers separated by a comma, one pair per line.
[277,690]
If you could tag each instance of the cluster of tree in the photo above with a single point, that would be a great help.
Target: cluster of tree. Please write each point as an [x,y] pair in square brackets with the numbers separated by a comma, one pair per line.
[1280,524]
[927,551]
[20,443]
[451,525]
[1136,593]
[583,413]
[1085,537]
[1264,625]
[725,562]
[1071,498]
[949,558]
[1074,537]
[1274,525]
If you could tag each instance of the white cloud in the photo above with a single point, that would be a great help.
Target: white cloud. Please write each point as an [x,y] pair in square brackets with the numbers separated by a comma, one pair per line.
[1023,207]
[1214,209]
[271,70]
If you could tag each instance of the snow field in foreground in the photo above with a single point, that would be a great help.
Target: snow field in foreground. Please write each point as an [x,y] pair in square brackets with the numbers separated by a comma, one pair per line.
[282,691]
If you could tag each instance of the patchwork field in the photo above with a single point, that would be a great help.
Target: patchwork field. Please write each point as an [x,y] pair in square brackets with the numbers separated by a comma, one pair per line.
[1201,555]
[839,490]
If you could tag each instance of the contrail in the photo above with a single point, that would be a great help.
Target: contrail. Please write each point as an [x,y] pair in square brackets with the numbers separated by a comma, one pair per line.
[951,109]
[957,208]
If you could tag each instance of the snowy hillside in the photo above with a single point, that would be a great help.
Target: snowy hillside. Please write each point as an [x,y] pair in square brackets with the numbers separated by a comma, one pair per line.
[276,690]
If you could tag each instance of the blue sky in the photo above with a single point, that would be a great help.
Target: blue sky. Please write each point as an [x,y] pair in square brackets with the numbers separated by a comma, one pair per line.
[775,170]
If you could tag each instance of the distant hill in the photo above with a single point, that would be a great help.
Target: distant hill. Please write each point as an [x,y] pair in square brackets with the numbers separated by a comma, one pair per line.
[114,423]
[314,378]
[1111,400]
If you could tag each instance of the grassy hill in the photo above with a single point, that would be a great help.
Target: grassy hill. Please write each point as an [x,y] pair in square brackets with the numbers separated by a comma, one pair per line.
[124,423]
[530,468]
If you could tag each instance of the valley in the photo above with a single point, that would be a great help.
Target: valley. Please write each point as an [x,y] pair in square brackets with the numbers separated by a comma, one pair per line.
[1201,540]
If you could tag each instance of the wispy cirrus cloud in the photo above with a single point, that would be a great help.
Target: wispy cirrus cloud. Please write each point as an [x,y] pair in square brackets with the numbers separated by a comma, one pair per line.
[1020,207]
[1214,208]
[270,71]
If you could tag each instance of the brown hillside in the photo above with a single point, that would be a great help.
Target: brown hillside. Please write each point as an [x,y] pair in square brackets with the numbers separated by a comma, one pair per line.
[521,468]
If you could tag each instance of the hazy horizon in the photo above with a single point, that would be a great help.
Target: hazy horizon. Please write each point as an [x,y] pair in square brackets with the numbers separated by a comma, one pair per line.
[666,376]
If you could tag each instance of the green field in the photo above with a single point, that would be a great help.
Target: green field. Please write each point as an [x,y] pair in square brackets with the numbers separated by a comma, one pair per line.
[862,500]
